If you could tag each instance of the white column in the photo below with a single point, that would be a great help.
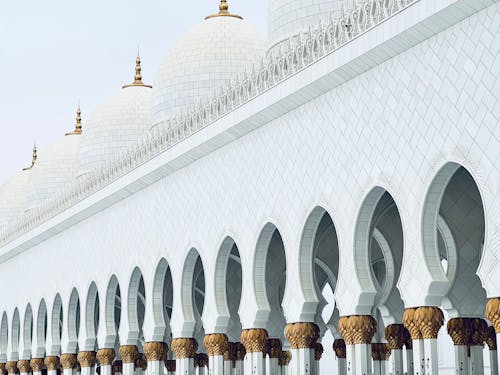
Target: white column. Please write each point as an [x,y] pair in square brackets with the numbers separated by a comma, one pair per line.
[184,366]
[377,367]
[363,353]
[106,370]
[238,367]
[418,357]
[272,366]
[52,363]
[216,365]
[36,366]
[171,367]
[255,343]
[341,366]
[476,359]
[461,360]
[105,357]
[340,352]
[397,361]
[351,360]
[431,356]
[184,350]
[155,368]
[258,364]
[493,362]
[409,361]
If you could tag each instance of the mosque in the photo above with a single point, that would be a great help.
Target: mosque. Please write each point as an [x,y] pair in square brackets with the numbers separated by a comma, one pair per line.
[323,199]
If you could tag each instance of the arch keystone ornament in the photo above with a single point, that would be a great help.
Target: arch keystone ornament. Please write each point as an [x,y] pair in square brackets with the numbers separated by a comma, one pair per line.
[36,364]
[87,359]
[24,366]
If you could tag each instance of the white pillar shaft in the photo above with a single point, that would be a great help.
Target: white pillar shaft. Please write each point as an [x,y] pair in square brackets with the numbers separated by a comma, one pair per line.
[258,364]
[272,366]
[200,370]
[170,373]
[302,361]
[40,373]
[418,357]
[493,362]
[316,369]
[363,359]
[397,361]
[409,362]
[341,366]
[85,371]
[383,367]
[51,372]
[377,368]
[216,365]
[350,360]
[155,368]
[477,361]
[461,360]
[431,357]
[228,367]
[184,366]
[105,370]
[69,371]
[128,368]
[238,368]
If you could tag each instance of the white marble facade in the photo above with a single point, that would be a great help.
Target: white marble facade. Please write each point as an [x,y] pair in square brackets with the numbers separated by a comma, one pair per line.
[373,171]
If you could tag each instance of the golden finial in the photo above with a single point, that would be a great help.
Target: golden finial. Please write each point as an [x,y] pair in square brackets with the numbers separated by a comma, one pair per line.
[138,75]
[33,161]
[223,11]
[78,127]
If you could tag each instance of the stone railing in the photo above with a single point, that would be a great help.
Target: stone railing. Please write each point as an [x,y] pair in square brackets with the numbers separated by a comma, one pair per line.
[294,55]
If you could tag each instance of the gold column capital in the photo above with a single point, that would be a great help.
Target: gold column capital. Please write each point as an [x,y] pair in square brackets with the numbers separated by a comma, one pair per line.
[429,320]
[184,347]
[479,333]
[411,325]
[491,341]
[301,335]
[86,358]
[240,351]
[24,366]
[11,367]
[230,353]
[339,348]
[216,344]
[201,360]
[117,367]
[36,364]
[170,364]
[274,348]
[285,358]
[52,362]
[2,367]
[493,313]
[318,351]
[395,334]
[105,356]
[141,361]
[68,361]
[459,330]
[128,353]
[155,351]
[254,340]
[380,352]
[357,329]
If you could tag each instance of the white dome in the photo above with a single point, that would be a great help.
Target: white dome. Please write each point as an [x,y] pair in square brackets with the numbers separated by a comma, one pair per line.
[114,126]
[13,197]
[289,17]
[54,170]
[210,55]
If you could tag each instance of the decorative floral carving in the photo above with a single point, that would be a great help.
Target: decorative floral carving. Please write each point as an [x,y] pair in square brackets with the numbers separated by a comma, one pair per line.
[105,356]
[479,332]
[362,327]
[36,364]
[492,338]
[302,335]
[274,348]
[52,362]
[155,351]
[128,353]
[216,344]
[254,340]
[117,367]
[184,347]
[429,320]
[411,325]
[459,330]
[339,348]
[318,351]
[11,367]
[201,360]
[345,330]
[24,366]
[395,334]
[240,351]
[380,352]
[493,313]
[170,364]
[141,361]
[68,361]
[285,358]
[87,359]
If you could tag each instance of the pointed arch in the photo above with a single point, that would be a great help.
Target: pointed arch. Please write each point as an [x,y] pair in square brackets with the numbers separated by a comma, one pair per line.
[162,300]
[73,321]
[15,334]
[4,337]
[92,310]
[40,333]
[56,324]
[112,311]
[136,302]
[193,295]
[27,331]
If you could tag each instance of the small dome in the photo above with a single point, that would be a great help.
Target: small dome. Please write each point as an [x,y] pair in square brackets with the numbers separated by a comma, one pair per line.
[210,55]
[54,170]
[13,198]
[116,124]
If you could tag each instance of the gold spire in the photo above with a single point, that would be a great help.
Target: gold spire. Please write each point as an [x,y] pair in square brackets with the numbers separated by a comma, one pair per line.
[223,11]
[78,127]
[33,161]
[138,75]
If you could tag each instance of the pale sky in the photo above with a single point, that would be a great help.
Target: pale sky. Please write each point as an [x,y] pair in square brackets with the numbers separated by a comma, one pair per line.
[54,52]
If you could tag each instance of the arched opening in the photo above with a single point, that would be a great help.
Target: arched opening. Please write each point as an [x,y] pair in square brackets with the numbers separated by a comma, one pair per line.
[92,317]
[27,331]
[4,337]
[56,325]
[73,321]
[163,295]
[228,286]
[112,311]
[41,329]
[136,304]
[193,293]
[15,334]
[270,280]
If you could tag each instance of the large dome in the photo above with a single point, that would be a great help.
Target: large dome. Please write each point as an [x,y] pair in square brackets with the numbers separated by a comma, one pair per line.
[289,17]
[116,124]
[210,55]
[55,168]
